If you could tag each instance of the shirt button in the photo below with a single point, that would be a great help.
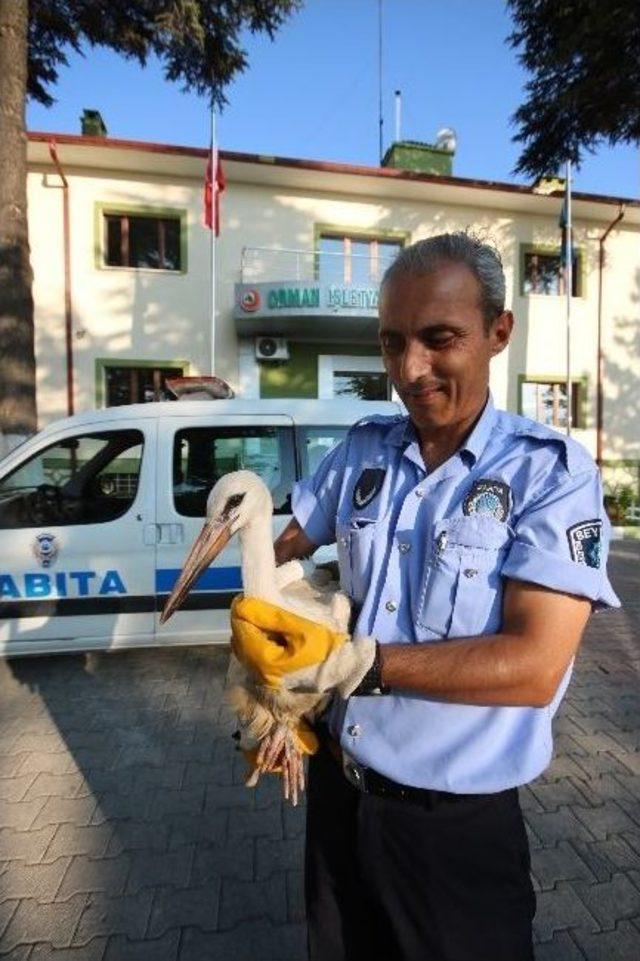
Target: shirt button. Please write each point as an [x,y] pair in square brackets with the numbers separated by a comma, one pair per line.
[343,541]
[403,548]
[354,730]
[418,492]
[391,606]
[470,572]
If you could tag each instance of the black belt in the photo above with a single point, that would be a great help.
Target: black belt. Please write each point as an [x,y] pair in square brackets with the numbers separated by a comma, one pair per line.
[369,781]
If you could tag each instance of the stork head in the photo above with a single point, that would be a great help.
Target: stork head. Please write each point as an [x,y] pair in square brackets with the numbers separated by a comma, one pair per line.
[232,503]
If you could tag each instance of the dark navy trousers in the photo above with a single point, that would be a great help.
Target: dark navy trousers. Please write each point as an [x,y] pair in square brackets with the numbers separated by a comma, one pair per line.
[398,880]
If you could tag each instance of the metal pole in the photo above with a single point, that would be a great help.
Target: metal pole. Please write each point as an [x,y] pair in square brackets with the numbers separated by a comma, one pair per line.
[213,235]
[600,368]
[66,242]
[398,114]
[568,280]
[380,120]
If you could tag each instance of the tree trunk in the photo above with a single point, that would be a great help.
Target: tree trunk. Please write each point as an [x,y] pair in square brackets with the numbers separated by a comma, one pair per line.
[17,357]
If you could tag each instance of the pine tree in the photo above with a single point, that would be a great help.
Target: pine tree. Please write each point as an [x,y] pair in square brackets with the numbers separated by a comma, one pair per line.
[584,61]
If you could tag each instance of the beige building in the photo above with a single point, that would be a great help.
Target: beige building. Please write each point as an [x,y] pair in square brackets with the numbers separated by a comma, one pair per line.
[123,289]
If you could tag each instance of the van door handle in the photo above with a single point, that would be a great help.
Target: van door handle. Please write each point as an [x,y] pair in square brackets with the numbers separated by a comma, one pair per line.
[170,534]
[163,534]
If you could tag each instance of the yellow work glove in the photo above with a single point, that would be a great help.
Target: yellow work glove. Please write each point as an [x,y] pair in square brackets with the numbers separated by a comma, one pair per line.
[281,649]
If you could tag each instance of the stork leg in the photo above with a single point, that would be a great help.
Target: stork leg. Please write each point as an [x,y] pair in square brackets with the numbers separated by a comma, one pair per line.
[278,749]
[272,746]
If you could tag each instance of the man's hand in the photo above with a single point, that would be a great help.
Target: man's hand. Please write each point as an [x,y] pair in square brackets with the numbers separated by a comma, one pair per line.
[284,650]
[523,665]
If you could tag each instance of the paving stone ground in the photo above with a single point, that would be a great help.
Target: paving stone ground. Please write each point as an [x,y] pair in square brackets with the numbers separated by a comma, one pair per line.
[126,833]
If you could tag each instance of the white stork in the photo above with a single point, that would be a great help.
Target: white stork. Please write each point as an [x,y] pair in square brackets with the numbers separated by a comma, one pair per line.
[241,503]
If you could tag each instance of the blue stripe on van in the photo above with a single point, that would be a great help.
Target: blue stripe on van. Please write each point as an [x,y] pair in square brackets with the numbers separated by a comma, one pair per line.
[213,579]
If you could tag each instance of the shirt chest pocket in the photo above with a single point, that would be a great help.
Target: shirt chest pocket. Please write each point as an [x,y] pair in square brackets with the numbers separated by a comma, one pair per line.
[461,592]
[355,556]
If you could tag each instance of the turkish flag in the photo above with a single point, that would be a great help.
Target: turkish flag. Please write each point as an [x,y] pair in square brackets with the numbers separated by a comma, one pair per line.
[214,184]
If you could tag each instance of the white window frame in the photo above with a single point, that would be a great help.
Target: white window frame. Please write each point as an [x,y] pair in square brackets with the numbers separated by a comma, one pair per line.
[328,364]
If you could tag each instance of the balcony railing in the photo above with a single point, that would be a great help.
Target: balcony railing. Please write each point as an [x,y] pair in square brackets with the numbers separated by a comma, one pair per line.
[267,264]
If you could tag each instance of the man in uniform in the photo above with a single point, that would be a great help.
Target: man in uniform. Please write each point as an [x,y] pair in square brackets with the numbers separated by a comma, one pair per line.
[472,543]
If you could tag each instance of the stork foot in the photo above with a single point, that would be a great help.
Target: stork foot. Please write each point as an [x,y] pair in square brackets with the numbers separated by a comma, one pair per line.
[278,752]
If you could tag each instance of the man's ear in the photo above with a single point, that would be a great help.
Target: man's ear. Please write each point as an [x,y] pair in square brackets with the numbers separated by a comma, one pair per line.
[500,333]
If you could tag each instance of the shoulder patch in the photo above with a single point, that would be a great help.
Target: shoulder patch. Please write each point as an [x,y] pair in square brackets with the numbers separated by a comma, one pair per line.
[584,542]
[368,486]
[488,496]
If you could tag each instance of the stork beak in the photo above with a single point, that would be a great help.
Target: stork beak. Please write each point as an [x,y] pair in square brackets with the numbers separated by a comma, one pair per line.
[208,544]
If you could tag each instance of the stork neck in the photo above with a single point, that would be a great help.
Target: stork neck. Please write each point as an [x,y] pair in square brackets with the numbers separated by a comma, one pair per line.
[258,560]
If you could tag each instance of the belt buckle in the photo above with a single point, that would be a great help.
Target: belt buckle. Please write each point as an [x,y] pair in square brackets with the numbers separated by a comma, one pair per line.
[354,772]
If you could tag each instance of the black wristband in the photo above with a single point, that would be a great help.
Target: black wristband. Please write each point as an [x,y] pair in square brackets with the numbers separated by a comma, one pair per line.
[371,684]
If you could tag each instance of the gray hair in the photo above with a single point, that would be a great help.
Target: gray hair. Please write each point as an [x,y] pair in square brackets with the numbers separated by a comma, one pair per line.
[482,259]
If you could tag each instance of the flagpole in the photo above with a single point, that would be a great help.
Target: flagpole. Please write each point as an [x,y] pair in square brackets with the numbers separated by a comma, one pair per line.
[213,239]
[568,281]
[380,115]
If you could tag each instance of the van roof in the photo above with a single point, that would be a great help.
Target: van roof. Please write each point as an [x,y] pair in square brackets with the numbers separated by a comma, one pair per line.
[308,412]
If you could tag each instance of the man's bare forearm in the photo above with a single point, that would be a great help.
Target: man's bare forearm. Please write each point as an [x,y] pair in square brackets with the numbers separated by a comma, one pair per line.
[292,543]
[521,666]
[495,669]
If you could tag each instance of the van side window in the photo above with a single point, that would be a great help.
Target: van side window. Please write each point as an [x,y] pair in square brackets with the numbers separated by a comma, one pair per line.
[201,455]
[315,443]
[89,479]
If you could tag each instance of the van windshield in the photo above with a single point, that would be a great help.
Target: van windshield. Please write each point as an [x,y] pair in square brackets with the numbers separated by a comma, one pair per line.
[315,443]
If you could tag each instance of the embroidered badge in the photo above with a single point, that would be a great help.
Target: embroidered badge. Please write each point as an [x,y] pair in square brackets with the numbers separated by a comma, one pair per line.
[45,549]
[369,484]
[584,542]
[488,497]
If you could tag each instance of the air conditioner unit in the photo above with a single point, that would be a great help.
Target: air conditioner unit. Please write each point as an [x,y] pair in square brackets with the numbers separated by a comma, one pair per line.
[272,348]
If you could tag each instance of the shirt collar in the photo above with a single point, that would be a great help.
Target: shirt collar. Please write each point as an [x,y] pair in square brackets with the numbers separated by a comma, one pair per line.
[403,432]
[479,436]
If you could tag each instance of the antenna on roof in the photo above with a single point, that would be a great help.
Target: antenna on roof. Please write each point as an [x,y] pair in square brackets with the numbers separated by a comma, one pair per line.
[398,114]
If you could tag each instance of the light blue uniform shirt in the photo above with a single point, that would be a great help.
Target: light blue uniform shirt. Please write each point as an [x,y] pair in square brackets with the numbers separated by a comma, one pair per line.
[424,557]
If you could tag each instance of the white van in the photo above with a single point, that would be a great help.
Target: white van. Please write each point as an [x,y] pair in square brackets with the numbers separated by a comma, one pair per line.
[97,513]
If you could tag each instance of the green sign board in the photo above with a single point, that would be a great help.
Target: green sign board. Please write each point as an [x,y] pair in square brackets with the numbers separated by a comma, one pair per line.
[302,299]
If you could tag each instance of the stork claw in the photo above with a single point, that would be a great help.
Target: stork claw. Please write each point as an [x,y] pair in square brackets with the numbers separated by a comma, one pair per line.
[278,750]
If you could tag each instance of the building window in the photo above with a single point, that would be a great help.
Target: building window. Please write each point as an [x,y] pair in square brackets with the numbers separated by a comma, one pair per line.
[360,378]
[137,385]
[543,273]
[546,402]
[142,240]
[345,259]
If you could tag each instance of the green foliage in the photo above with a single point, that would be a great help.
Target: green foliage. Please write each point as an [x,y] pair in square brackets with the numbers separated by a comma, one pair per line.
[619,498]
[583,56]
[198,41]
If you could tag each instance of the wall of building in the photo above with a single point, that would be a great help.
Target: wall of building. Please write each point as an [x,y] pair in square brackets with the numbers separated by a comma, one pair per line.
[118,313]
[151,315]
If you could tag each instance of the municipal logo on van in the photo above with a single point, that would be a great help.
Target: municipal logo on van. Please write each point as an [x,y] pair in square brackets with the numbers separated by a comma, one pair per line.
[45,549]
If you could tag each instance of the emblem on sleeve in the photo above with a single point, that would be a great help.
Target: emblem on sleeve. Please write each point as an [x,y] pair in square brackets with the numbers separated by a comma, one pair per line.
[488,497]
[584,542]
[368,486]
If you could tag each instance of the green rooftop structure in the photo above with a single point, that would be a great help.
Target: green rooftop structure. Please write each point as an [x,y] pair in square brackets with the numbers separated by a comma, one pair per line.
[424,158]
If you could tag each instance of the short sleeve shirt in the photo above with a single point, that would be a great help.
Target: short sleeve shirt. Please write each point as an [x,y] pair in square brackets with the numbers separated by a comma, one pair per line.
[424,557]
